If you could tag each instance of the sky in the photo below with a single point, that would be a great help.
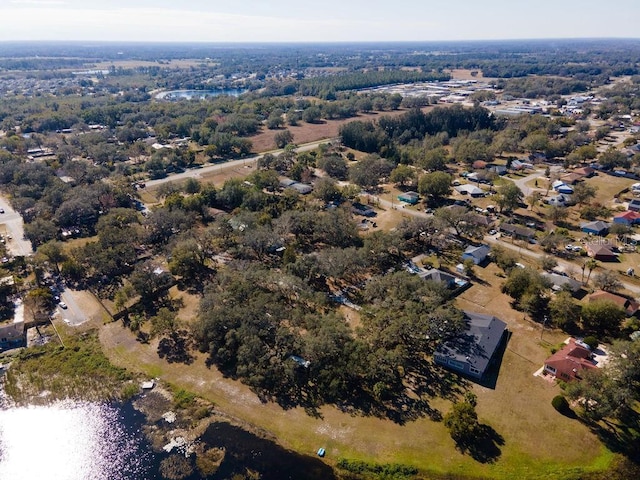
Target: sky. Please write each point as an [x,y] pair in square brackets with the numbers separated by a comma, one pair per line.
[315,21]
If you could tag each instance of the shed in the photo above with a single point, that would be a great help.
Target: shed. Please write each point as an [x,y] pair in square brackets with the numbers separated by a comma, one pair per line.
[595,228]
[474,350]
[476,253]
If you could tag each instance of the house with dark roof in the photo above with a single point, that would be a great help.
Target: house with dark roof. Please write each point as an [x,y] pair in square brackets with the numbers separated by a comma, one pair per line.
[631,307]
[562,282]
[570,362]
[595,228]
[517,231]
[477,254]
[601,252]
[449,280]
[12,335]
[473,351]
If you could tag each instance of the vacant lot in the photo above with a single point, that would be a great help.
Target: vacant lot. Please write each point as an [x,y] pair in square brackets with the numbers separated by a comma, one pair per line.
[538,442]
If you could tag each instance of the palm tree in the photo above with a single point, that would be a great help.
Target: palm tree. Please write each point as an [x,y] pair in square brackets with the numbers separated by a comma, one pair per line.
[591,264]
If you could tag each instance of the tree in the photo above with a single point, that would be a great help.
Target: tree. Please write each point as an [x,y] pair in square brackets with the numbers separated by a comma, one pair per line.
[402,174]
[458,218]
[564,310]
[612,159]
[468,151]
[435,185]
[602,317]
[590,264]
[283,138]
[534,199]
[334,165]
[462,423]
[509,197]
[548,263]
[608,281]
[368,171]
[435,159]
[326,189]
[583,193]
[557,213]
[187,260]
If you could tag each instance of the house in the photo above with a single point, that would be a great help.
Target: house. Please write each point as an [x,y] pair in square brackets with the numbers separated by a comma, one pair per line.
[571,178]
[301,188]
[586,172]
[569,362]
[627,218]
[498,169]
[556,184]
[480,220]
[473,351]
[409,197]
[470,190]
[360,209]
[595,228]
[629,306]
[517,231]
[446,278]
[517,165]
[601,252]
[634,205]
[13,333]
[562,282]
[477,254]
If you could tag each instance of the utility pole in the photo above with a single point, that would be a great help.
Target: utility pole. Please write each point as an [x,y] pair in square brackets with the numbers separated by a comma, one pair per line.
[544,322]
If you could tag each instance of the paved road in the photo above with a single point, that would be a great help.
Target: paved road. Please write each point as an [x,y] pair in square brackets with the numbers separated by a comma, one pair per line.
[11,225]
[527,190]
[73,314]
[249,161]
[566,265]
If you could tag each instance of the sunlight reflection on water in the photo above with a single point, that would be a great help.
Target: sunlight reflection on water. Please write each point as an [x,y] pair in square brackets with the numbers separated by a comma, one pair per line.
[70,441]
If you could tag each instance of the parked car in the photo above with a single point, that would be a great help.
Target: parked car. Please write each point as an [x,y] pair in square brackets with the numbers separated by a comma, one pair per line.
[62,305]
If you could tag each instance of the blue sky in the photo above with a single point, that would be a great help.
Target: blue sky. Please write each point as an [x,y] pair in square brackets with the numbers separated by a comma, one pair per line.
[324,20]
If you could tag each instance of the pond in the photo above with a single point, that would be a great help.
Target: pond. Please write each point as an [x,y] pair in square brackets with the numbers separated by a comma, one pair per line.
[91,441]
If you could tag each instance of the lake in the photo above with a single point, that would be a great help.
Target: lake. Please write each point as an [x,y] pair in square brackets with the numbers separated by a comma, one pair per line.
[199,94]
[90,441]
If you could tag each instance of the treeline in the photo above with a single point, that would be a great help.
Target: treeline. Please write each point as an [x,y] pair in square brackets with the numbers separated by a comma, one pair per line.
[414,125]
[319,86]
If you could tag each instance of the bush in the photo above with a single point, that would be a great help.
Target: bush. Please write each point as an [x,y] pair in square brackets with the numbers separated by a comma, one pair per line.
[560,404]
[591,341]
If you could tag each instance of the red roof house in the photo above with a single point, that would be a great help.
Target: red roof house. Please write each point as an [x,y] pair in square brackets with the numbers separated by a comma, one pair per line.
[567,364]
[629,306]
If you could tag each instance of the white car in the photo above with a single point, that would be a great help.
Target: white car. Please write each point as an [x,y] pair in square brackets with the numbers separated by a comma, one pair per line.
[62,305]
[569,248]
[67,321]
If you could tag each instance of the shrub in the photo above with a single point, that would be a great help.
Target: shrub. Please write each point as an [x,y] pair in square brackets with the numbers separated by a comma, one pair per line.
[560,404]
[591,341]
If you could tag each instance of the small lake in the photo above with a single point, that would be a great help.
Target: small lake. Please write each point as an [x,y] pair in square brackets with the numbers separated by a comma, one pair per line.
[199,94]
[92,441]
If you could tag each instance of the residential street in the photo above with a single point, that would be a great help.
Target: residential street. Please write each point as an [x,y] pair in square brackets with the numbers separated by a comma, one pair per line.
[198,172]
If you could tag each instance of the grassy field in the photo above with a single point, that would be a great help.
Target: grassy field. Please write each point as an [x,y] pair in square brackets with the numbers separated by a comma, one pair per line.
[538,442]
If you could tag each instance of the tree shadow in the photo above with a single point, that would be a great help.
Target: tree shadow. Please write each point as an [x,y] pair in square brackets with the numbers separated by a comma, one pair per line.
[486,447]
